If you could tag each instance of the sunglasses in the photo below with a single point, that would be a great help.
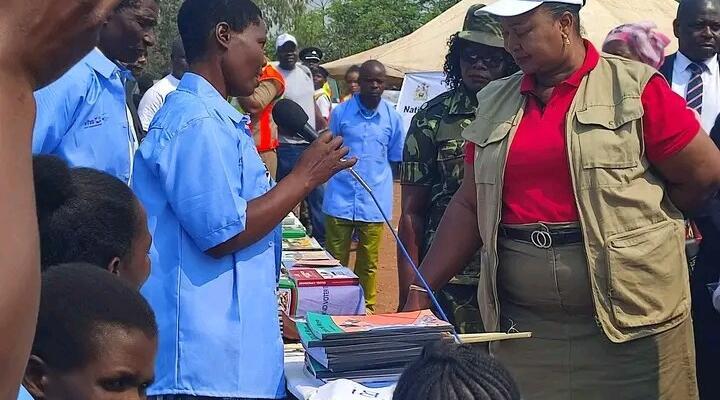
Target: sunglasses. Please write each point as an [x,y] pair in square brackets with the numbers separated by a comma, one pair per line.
[472,57]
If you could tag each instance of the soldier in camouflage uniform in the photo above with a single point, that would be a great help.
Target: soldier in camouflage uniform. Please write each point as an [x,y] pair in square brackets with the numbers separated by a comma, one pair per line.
[432,166]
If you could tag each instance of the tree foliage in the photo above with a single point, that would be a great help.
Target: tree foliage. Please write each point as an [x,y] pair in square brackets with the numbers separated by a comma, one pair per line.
[358,25]
[339,27]
[165,32]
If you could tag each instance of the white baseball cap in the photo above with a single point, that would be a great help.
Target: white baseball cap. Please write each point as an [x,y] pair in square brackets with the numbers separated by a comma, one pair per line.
[285,38]
[511,8]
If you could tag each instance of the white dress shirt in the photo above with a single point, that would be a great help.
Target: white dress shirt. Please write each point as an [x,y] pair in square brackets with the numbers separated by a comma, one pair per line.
[154,98]
[711,87]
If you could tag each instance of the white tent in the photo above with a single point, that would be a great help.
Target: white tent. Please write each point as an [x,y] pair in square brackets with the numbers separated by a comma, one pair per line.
[424,49]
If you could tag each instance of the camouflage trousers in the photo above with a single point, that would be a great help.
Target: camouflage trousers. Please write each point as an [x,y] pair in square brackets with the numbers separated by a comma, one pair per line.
[461,306]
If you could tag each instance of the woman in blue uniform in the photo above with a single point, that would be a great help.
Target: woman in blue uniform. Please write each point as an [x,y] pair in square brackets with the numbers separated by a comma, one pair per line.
[214,214]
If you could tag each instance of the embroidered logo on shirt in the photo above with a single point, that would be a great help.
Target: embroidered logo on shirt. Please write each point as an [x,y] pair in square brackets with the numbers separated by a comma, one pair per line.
[95,121]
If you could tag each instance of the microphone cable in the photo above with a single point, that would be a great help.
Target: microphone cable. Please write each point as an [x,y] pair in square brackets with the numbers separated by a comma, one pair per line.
[409,259]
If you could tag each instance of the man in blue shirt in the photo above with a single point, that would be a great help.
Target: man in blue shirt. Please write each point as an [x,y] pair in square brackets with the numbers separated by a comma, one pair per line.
[83,117]
[214,213]
[374,132]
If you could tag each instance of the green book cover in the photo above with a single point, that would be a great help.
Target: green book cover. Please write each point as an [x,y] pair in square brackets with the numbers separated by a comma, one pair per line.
[322,326]
[285,282]
[355,326]
[307,337]
[293,233]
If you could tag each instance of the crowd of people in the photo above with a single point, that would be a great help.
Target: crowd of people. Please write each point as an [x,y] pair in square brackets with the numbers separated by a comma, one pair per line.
[553,189]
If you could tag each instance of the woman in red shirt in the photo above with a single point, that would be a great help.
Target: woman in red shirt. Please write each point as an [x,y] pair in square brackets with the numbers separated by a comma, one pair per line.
[578,170]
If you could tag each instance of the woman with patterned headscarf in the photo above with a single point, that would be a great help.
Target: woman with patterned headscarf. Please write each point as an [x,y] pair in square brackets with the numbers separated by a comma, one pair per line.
[639,41]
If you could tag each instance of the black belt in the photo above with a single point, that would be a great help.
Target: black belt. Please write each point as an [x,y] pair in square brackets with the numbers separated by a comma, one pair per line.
[544,238]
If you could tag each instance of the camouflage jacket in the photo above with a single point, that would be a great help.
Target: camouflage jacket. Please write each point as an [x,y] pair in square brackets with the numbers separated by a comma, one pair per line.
[434,157]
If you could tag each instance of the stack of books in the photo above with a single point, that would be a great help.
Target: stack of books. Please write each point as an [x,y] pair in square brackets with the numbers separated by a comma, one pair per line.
[367,349]
[312,279]
[327,290]
[292,228]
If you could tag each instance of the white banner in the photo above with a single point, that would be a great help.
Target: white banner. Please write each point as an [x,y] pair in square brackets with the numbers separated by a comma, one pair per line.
[416,90]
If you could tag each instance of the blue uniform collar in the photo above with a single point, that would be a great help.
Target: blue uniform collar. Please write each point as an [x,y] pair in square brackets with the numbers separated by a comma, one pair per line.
[199,86]
[100,63]
[364,111]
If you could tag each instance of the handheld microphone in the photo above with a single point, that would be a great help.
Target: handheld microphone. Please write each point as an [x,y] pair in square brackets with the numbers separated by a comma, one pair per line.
[289,116]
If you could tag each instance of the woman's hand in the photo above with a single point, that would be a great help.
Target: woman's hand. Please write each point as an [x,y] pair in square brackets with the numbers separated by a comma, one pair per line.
[322,160]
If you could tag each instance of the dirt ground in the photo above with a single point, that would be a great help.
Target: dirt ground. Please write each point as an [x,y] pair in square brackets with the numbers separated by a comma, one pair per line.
[387,271]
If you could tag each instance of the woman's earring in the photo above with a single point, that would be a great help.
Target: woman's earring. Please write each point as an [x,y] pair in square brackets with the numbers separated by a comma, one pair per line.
[566,40]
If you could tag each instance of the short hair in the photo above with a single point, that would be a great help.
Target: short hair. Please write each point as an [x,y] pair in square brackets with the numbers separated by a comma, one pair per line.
[197,20]
[371,65]
[318,70]
[353,69]
[455,372]
[77,303]
[84,215]
[686,6]
[556,10]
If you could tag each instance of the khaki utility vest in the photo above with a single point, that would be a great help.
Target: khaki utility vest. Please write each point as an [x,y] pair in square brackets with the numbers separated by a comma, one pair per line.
[633,234]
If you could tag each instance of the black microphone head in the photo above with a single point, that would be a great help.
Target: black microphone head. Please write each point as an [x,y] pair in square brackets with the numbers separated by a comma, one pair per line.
[289,116]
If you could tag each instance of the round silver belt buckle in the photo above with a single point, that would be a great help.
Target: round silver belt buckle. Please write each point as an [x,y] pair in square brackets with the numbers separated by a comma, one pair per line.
[541,239]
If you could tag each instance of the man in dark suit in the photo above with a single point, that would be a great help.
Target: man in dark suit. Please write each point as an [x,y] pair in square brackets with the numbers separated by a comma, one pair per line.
[694,73]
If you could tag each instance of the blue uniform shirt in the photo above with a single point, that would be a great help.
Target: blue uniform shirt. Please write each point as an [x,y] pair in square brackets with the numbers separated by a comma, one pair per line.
[24,394]
[195,172]
[82,118]
[376,138]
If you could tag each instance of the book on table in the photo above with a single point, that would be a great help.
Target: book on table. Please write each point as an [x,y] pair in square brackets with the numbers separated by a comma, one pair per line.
[374,375]
[328,327]
[376,358]
[367,347]
[310,340]
[292,228]
[304,243]
[291,220]
[333,300]
[312,258]
[333,276]
[293,232]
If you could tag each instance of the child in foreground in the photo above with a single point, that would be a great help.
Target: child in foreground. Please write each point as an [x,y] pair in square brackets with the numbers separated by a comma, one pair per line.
[456,372]
[89,216]
[96,338]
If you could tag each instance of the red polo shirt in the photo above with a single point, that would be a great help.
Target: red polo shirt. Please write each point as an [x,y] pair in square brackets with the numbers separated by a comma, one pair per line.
[538,185]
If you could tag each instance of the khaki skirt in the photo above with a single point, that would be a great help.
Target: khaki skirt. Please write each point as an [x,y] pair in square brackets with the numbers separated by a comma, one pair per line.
[547,292]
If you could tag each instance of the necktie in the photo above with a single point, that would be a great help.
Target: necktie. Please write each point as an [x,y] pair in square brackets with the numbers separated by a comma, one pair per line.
[694,95]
